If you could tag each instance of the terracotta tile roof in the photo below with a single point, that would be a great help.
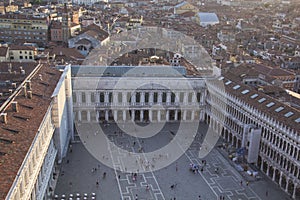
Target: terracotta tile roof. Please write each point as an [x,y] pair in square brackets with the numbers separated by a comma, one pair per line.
[17,135]
[10,74]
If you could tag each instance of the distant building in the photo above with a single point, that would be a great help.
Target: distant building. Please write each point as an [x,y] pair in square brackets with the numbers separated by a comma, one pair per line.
[19,28]
[184,7]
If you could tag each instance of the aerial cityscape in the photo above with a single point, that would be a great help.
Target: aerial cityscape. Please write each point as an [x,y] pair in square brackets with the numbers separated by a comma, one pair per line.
[150,99]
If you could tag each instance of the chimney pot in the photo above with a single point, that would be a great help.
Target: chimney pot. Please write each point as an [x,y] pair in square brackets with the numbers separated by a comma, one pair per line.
[24,91]
[29,94]
[15,106]
[3,117]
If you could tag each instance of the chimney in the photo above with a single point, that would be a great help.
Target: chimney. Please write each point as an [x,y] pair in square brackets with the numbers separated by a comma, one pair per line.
[10,91]
[22,72]
[28,84]
[3,117]
[15,106]
[24,91]
[14,85]
[29,94]
[40,77]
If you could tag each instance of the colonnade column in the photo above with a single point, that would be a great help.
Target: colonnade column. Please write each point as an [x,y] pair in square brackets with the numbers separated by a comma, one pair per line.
[141,115]
[287,184]
[79,115]
[106,115]
[132,115]
[150,115]
[274,173]
[176,115]
[115,115]
[158,116]
[88,115]
[168,101]
[193,115]
[124,115]
[294,191]
[168,115]
[280,179]
[151,97]
[184,115]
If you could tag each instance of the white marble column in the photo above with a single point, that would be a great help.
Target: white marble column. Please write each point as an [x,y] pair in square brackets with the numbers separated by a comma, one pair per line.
[151,98]
[133,98]
[132,115]
[150,115]
[97,116]
[79,115]
[184,115]
[158,116]
[106,115]
[159,99]
[168,100]
[141,115]
[124,98]
[88,115]
[142,98]
[106,98]
[168,115]
[176,115]
[185,99]
[294,190]
[115,115]
[287,184]
[274,173]
[280,179]
[193,115]
[124,115]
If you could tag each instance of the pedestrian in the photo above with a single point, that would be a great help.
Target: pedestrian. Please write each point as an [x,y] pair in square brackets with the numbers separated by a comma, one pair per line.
[136,197]
[241,183]
[247,183]
[199,197]
[119,176]
[267,193]
[147,188]
[97,183]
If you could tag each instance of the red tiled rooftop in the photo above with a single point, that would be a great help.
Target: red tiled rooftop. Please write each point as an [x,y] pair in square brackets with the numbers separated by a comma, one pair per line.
[32,111]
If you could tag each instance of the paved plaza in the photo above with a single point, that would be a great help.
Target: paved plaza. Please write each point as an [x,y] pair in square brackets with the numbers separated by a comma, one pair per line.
[81,173]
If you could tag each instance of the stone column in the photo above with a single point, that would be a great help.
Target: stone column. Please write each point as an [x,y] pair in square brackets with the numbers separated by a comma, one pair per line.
[280,179]
[115,115]
[159,99]
[193,115]
[168,115]
[106,115]
[132,115]
[184,115]
[142,99]
[287,185]
[124,115]
[79,115]
[185,99]
[106,98]
[88,98]
[88,115]
[176,115]
[133,98]
[150,115]
[168,101]
[294,191]
[151,98]
[158,116]
[124,98]
[274,173]
[141,115]
[268,169]
[97,116]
